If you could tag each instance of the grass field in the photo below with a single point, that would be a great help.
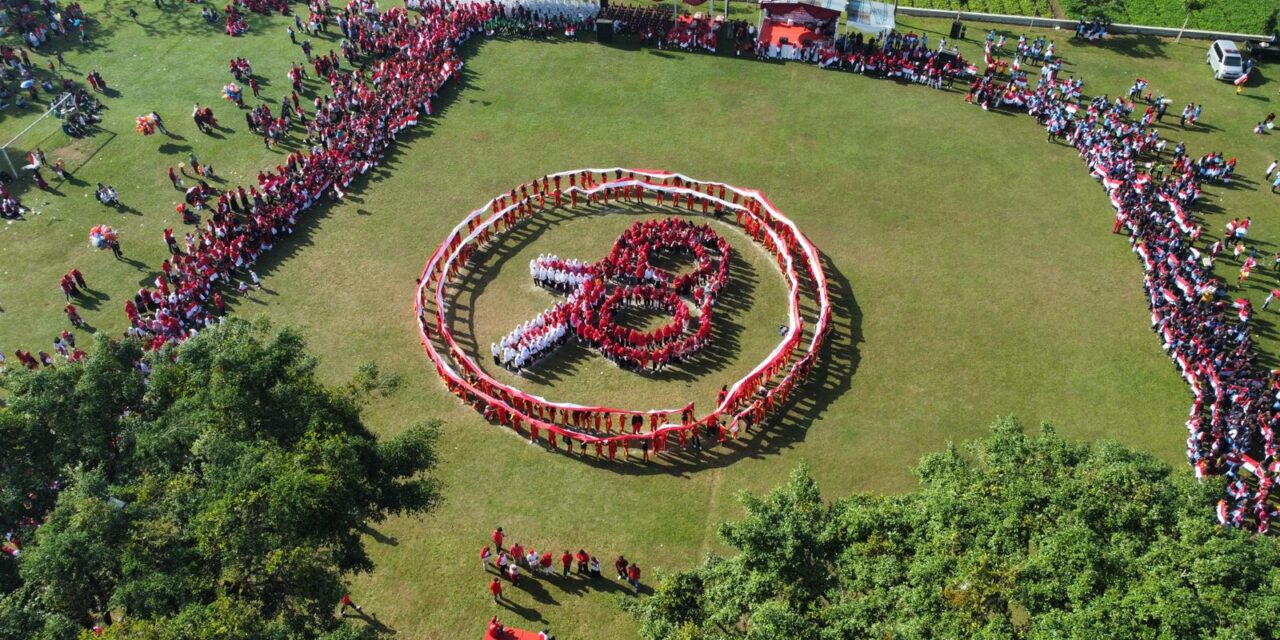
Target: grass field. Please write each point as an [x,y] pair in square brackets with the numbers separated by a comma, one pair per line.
[970,261]
[1234,16]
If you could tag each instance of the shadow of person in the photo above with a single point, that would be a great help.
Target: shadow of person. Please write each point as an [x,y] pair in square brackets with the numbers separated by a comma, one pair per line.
[372,621]
[524,612]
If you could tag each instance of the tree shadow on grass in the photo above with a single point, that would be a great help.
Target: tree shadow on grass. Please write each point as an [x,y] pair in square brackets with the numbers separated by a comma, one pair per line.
[1133,46]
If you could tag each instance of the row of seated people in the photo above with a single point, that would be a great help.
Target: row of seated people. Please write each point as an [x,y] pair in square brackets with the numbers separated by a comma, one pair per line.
[638,20]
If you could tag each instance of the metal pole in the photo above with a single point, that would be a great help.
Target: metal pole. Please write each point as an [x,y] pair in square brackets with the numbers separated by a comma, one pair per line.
[13,172]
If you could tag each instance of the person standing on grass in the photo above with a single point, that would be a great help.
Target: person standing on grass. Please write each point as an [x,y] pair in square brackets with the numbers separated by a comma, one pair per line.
[486,557]
[1272,167]
[517,553]
[595,567]
[495,589]
[621,565]
[582,559]
[159,123]
[346,602]
[633,576]
[566,560]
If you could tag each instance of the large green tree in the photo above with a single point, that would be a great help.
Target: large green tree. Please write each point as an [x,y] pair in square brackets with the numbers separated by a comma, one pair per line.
[1013,536]
[222,494]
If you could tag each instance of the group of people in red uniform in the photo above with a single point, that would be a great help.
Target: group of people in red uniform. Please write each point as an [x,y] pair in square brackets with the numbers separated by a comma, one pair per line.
[700,33]
[628,278]
[509,562]
[409,58]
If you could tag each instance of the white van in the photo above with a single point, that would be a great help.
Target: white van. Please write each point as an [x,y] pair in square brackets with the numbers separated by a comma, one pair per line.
[1225,60]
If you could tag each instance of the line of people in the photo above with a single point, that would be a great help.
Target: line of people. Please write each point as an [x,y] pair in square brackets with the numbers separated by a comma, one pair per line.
[508,562]
[1204,330]
[409,60]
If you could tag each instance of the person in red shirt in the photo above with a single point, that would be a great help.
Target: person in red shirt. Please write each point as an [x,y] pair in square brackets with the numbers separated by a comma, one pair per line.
[633,576]
[621,565]
[495,588]
[545,562]
[583,560]
[74,316]
[566,560]
[486,556]
[517,553]
[346,602]
[497,539]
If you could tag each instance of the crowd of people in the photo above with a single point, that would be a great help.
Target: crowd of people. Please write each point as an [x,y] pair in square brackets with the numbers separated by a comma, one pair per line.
[409,60]
[35,27]
[626,277]
[689,33]
[540,20]
[1205,331]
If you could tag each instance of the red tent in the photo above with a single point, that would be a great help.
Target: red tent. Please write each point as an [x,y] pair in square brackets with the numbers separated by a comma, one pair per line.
[796,23]
[798,12]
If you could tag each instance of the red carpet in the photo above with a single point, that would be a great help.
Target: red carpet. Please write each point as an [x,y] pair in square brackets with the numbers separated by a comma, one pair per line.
[512,634]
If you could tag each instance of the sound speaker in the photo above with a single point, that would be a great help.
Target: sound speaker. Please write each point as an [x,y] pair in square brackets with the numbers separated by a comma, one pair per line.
[604,30]
[604,4]
[955,30]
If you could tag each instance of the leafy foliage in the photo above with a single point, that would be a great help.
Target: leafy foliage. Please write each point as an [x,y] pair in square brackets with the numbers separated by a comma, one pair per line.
[223,496]
[1017,536]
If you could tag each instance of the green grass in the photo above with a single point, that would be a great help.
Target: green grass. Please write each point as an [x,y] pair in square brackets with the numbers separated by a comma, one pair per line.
[970,261]
[1237,16]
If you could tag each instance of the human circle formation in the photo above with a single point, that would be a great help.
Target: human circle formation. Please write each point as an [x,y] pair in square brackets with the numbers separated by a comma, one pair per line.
[627,277]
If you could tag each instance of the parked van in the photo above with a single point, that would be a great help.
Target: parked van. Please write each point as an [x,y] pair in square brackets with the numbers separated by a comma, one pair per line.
[1225,60]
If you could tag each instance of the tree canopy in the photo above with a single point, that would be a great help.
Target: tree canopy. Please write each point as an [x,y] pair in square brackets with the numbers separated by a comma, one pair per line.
[1013,536]
[221,494]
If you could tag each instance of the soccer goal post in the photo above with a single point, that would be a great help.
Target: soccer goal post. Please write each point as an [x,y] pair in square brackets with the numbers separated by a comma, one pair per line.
[53,108]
